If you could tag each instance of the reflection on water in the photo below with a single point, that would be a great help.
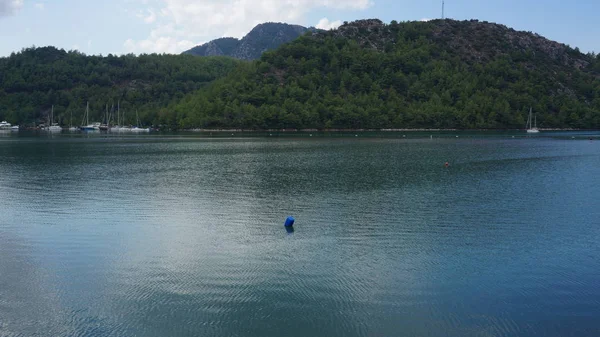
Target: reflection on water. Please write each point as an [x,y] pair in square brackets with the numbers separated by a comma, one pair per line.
[181,236]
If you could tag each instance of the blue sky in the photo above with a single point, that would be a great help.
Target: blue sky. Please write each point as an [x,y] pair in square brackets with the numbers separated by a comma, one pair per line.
[122,26]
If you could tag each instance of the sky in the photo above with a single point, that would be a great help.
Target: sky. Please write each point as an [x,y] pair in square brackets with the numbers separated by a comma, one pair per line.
[172,26]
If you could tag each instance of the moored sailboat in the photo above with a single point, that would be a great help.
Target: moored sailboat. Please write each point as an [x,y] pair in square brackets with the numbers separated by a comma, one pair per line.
[532,123]
[136,128]
[71,127]
[87,127]
[120,127]
[52,127]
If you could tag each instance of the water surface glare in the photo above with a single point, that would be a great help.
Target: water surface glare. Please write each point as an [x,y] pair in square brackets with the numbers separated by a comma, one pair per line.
[184,236]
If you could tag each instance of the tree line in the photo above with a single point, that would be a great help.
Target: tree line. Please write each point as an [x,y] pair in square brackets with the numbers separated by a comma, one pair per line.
[35,79]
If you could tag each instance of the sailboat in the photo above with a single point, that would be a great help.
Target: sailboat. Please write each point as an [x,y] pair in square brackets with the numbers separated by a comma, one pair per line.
[88,127]
[532,123]
[53,127]
[106,127]
[71,127]
[120,120]
[137,128]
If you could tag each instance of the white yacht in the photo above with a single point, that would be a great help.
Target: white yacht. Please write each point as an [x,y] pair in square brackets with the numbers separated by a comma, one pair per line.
[5,125]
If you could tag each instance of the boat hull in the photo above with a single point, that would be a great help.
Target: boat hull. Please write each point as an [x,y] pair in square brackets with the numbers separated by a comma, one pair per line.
[53,129]
[139,130]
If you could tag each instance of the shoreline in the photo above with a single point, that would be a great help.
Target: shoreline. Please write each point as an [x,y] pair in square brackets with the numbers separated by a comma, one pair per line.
[377,130]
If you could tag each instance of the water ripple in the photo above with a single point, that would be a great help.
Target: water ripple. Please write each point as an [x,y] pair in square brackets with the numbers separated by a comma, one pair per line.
[126,236]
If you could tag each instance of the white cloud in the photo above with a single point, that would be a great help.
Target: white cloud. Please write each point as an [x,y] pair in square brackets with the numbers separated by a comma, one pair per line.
[325,24]
[180,24]
[425,19]
[162,44]
[40,6]
[149,17]
[9,7]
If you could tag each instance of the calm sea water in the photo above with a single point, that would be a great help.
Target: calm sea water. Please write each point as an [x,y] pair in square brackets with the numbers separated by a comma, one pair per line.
[183,236]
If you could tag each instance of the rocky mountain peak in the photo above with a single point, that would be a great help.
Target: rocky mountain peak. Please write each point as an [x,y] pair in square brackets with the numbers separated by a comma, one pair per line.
[263,37]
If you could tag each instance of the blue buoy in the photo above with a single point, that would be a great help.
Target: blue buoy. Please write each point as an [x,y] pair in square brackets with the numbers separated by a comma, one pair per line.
[289,222]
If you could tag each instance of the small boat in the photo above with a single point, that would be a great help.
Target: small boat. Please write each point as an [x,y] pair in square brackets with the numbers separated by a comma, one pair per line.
[54,128]
[532,127]
[90,127]
[14,128]
[4,125]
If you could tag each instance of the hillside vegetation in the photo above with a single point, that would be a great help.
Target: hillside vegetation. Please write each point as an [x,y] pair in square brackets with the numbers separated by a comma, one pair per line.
[34,79]
[437,74]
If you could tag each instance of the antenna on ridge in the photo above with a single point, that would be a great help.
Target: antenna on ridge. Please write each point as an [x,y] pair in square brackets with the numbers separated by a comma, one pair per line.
[443,5]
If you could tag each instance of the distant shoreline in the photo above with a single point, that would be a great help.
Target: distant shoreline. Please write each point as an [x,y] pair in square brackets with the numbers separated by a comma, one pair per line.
[379,130]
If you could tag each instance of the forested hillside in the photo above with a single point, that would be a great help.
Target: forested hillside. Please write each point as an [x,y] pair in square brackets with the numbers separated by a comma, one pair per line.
[437,74]
[366,74]
[34,79]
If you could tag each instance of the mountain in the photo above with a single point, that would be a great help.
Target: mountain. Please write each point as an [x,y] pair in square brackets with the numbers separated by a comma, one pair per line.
[34,79]
[266,36]
[436,74]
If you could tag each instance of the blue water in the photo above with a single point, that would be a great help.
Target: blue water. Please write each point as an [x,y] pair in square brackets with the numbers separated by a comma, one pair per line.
[183,235]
